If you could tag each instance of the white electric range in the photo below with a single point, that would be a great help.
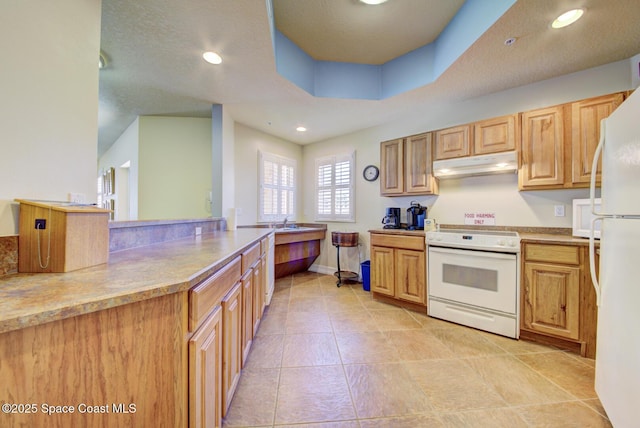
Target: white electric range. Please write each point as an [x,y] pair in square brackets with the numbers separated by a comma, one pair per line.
[474,278]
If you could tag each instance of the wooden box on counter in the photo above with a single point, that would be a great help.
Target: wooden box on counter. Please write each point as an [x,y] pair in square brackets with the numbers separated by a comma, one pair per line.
[74,236]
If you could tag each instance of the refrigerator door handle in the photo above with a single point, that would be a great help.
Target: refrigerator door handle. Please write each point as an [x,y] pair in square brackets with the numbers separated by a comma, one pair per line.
[592,260]
[594,169]
[596,216]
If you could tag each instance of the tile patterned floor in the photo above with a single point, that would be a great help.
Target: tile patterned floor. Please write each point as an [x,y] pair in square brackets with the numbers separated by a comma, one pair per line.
[333,357]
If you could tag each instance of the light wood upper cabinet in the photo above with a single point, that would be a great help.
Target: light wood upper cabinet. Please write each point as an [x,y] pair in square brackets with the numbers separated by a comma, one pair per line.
[558,143]
[585,133]
[407,166]
[453,142]
[495,135]
[418,165]
[542,148]
[391,167]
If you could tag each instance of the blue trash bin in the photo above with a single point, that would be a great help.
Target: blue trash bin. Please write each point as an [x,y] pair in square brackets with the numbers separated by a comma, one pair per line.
[366,281]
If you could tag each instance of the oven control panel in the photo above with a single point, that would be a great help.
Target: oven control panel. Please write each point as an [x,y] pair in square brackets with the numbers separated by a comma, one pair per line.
[491,241]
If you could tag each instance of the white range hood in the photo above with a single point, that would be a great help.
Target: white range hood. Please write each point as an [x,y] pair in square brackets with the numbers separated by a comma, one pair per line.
[495,163]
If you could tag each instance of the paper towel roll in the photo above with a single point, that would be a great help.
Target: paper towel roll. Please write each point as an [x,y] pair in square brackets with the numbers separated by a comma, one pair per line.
[231,219]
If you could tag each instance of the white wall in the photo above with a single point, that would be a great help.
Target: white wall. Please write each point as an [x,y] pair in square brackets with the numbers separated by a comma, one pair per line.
[229,156]
[497,194]
[125,149]
[49,102]
[174,176]
[248,142]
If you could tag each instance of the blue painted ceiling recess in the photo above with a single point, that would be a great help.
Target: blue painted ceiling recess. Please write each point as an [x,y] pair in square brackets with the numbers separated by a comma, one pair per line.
[412,70]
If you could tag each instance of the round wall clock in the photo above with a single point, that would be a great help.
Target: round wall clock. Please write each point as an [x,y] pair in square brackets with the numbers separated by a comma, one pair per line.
[370,173]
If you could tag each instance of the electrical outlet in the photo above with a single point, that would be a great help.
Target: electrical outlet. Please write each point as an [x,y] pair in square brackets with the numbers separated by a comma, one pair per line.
[77,198]
[198,231]
[559,210]
[41,223]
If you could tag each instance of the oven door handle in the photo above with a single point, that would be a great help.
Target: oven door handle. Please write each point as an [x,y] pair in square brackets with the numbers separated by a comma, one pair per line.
[487,254]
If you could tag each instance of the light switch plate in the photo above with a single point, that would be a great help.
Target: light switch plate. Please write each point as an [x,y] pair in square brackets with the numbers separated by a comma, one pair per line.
[559,210]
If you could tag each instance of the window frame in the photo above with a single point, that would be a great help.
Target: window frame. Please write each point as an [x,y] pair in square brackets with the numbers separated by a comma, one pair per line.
[280,162]
[333,160]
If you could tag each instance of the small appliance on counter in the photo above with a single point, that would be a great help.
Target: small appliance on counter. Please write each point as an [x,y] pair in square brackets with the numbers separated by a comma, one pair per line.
[430,224]
[416,214]
[582,217]
[392,219]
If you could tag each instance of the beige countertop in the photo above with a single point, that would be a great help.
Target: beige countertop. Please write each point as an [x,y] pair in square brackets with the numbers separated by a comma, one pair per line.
[129,276]
[554,239]
[399,232]
[528,236]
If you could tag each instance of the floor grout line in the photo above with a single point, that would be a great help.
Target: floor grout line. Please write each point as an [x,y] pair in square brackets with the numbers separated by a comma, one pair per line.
[373,310]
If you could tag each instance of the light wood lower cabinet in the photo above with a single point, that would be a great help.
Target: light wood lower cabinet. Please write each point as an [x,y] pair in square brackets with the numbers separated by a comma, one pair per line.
[205,373]
[131,358]
[258,295]
[247,314]
[551,299]
[232,344]
[214,352]
[410,275]
[398,268]
[382,271]
[557,299]
[155,362]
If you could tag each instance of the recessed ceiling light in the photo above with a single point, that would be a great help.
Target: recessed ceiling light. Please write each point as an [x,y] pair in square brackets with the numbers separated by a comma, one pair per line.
[374,2]
[510,41]
[567,18]
[301,129]
[212,57]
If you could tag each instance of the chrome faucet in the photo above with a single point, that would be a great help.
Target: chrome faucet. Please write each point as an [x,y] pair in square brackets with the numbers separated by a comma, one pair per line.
[284,224]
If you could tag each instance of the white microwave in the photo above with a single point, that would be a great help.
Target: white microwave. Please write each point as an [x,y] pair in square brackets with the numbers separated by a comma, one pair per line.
[582,218]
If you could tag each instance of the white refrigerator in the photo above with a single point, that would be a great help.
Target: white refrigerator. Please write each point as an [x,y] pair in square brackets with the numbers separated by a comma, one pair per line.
[618,284]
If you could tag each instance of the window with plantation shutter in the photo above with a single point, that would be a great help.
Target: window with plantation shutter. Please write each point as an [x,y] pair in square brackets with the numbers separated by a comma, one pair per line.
[277,185]
[335,199]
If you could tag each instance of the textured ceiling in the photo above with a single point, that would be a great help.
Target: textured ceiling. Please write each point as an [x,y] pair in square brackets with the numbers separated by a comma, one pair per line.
[155,67]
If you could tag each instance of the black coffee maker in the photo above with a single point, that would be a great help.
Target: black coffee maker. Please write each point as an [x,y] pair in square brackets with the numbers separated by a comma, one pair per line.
[416,214]
[392,219]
